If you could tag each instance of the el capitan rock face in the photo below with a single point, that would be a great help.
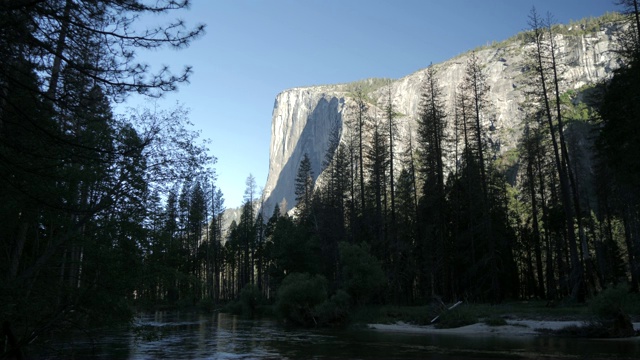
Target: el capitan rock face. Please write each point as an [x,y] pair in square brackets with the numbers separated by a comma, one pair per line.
[302,122]
[304,117]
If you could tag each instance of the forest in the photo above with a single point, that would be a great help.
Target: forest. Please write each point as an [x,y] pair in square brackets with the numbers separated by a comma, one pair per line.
[104,215]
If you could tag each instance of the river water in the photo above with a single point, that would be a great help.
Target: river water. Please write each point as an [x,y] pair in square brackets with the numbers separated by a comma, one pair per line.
[177,335]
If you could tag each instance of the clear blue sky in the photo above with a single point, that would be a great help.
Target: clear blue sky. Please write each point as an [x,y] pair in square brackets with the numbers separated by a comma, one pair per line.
[254,49]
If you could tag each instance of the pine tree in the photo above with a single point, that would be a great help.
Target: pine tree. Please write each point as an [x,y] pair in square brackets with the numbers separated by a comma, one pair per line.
[247,234]
[541,69]
[377,157]
[391,131]
[619,140]
[530,150]
[359,128]
[83,180]
[629,41]
[431,139]
[304,189]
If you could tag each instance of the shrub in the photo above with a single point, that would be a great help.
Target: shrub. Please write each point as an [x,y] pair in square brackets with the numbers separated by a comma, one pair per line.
[335,311]
[495,321]
[609,302]
[250,300]
[460,316]
[298,297]
[362,274]
[248,304]
[611,307]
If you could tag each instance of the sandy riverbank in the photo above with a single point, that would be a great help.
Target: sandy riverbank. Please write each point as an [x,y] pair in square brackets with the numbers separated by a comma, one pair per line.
[513,328]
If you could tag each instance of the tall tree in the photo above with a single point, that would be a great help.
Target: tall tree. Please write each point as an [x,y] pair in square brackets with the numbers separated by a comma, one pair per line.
[475,85]
[331,206]
[377,157]
[304,188]
[247,233]
[543,51]
[476,89]
[360,123]
[216,240]
[392,130]
[619,140]
[629,41]
[531,147]
[431,125]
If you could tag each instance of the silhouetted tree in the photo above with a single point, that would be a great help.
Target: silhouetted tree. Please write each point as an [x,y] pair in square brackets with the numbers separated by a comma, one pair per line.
[545,72]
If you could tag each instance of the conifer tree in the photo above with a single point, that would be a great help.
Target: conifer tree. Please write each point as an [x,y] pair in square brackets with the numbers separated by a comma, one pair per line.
[377,157]
[619,140]
[304,188]
[629,41]
[542,52]
[359,128]
[392,131]
[431,125]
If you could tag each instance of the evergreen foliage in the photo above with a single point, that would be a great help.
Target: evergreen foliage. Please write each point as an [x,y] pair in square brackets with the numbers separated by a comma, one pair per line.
[84,234]
[362,275]
[298,297]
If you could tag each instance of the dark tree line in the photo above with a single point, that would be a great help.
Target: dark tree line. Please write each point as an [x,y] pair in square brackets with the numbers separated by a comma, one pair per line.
[79,186]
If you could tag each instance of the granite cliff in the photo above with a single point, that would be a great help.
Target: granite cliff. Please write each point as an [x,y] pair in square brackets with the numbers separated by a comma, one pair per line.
[304,117]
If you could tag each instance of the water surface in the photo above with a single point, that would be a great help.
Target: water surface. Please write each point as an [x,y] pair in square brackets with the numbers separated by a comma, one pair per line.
[176,335]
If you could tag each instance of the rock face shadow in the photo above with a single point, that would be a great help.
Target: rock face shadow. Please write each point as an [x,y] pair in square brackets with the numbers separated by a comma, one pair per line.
[314,141]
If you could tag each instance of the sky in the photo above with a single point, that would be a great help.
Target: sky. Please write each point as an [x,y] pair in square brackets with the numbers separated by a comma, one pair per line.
[254,49]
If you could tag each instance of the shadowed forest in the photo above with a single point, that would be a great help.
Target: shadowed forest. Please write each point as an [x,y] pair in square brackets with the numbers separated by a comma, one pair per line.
[104,215]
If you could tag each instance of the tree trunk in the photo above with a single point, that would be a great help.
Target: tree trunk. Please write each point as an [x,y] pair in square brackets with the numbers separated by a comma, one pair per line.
[60,46]
[577,272]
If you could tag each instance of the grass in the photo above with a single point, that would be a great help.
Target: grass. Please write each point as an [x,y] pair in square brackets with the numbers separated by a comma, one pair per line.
[495,321]
[460,316]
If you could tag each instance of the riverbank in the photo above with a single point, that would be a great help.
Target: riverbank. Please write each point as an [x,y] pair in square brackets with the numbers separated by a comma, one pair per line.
[519,327]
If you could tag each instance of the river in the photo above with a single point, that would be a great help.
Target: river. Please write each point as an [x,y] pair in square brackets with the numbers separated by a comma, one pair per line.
[179,335]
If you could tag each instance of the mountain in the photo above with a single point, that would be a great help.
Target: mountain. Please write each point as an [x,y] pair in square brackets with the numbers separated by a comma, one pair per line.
[303,118]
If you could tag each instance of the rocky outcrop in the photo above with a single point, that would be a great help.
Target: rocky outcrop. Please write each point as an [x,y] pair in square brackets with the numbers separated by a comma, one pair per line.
[303,118]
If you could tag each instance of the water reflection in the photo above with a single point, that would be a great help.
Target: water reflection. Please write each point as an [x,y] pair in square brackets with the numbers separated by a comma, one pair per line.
[176,335]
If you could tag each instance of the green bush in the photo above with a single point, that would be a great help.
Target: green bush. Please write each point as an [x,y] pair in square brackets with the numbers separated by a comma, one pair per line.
[249,303]
[612,300]
[611,308]
[298,297]
[335,311]
[362,273]
[460,316]
[495,321]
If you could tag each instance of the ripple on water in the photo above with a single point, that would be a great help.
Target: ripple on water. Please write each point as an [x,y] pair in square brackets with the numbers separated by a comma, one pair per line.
[221,336]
